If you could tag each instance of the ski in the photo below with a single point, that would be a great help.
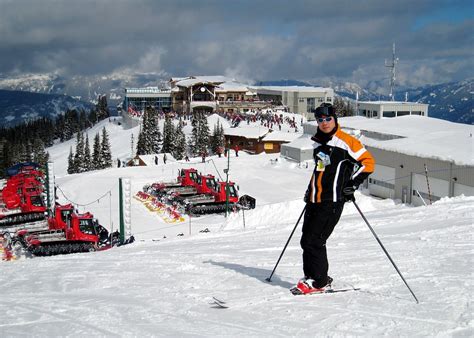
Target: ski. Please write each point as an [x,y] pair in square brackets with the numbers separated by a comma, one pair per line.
[218,304]
[295,291]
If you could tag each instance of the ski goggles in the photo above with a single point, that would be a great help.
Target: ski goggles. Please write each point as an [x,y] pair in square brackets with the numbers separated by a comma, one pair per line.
[324,111]
[324,119]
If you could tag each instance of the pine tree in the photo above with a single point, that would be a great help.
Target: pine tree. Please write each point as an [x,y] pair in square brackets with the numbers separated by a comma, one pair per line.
[87,155]
[105,152]
[179,151]
[343,108]
[40,156]
[102,108]
[214,138]
[141,143]
[194,141]
[96,158]
[153,132]
[79,156]
[204,134]
[169,137]
[70,163]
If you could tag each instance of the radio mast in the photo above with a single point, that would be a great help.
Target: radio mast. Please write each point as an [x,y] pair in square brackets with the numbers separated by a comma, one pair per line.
[392,67]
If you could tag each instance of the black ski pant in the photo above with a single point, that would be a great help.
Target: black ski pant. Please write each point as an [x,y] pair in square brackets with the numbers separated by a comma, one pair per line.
[319,222]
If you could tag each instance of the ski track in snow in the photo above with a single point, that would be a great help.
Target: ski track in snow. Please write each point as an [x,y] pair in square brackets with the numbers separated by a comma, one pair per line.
[165,286]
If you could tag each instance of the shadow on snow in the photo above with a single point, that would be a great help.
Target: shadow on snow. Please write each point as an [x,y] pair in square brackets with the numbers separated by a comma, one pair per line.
[257,273]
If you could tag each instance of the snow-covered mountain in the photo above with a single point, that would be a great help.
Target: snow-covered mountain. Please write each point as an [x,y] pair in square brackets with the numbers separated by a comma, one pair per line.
[450,101]
[18,106]
[164,284]
[85,88]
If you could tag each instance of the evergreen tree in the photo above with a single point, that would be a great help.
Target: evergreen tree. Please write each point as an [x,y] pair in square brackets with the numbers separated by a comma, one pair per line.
[153,132]
[217,138]
[40,156]
[204,134]
[132,144]
[70,163]
[71,124]
[169,138]
[96,158]
[149,137]
[141,143]
[179,151]
[105,153]
[342,107]
[79,156]
[87,155]
[102,108]
[194,141]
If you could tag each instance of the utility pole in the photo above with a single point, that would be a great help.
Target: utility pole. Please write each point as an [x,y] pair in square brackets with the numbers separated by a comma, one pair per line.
[392,66]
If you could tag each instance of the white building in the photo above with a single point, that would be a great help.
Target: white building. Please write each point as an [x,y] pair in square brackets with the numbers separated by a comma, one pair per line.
[379,109]
[298,99]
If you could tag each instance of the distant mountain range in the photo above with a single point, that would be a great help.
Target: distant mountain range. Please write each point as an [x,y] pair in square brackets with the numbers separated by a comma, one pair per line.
[449,101]
[19,106]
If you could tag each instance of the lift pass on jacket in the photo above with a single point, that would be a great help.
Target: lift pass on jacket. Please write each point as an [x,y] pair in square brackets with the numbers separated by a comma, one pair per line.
[323,161]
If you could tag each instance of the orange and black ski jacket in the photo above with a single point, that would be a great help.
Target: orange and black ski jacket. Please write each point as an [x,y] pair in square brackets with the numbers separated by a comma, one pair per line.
[343,159]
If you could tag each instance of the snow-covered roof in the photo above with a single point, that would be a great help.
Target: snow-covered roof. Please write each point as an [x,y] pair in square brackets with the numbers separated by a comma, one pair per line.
[249,132]
[391,102]
[422,136]
[281,136]
[301,89]
[232,86]
[303,142]
[215,80]
[212,120]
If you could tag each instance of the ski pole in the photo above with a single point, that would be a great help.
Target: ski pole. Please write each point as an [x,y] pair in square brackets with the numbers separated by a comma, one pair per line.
[390,258]
[269,279]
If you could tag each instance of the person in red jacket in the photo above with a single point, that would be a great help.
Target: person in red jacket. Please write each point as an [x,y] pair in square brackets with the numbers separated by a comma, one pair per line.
[341,165]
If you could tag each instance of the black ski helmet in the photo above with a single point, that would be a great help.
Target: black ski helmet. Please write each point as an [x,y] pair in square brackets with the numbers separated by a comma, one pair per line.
[325,109]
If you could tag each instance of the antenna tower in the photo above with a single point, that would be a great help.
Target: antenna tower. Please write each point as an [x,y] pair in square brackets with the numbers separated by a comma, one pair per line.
[392,66]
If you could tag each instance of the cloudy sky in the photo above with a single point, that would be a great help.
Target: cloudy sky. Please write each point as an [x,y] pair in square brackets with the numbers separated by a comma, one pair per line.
[246,39]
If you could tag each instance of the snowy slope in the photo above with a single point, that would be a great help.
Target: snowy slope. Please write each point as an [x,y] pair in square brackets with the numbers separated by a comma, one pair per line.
[163,286]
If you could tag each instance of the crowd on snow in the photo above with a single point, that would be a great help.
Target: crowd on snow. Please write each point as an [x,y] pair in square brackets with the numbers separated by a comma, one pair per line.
[267,117]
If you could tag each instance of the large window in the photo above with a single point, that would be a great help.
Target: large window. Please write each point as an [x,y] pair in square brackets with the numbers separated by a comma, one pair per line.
[388,114]
[403,113]
[381,183]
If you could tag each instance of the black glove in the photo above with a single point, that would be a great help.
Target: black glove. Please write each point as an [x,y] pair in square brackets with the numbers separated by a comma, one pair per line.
[348,191]
[306,196]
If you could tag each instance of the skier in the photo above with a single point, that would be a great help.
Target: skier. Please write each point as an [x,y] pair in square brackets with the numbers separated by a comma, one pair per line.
[164,158]
[342,164]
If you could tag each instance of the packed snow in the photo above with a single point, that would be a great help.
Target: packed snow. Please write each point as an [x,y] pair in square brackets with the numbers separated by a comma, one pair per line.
[164,284]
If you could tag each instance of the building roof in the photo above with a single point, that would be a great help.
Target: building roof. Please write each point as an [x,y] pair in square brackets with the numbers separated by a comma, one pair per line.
[232,86]
[194,80]
[391,102]
[301,89]
[422,136]
[281,136]
[249,132]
